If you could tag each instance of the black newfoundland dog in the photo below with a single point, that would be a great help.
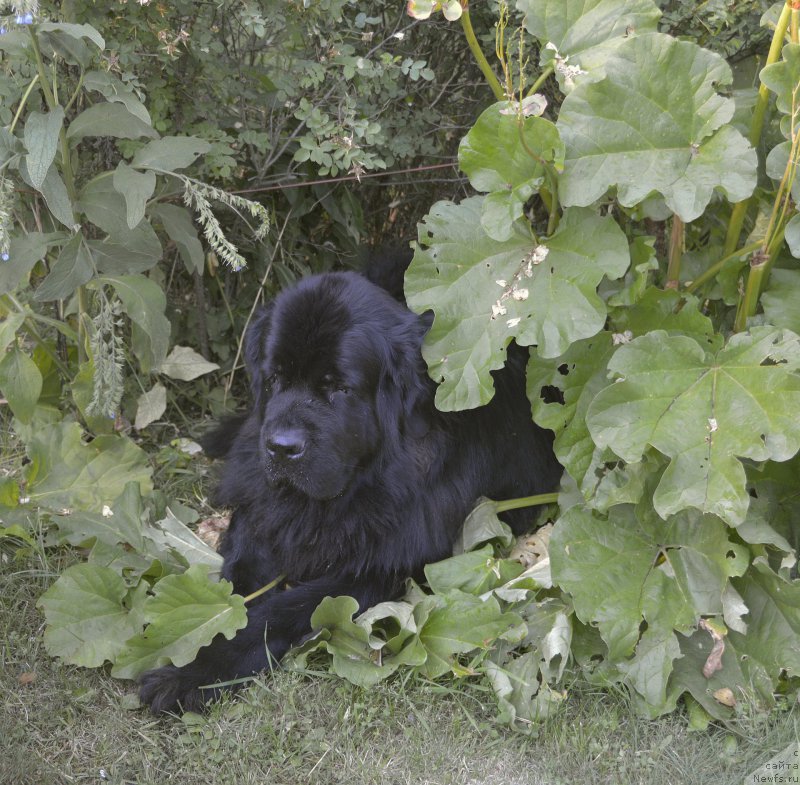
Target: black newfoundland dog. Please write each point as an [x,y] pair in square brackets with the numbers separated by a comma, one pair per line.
[344,478]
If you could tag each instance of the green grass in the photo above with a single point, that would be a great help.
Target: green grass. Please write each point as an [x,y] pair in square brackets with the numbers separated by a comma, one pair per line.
[69,724]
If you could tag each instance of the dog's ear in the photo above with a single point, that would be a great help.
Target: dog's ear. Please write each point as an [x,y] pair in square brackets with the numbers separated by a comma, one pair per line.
[255,344]
[405,393]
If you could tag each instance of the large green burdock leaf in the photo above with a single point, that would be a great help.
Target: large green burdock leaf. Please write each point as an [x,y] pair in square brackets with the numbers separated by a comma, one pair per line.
[583,29]
[475,572]
[649,670]
[782,78]
[580,373]
[521,696]
[484,293]
[348,643]
[660,309]
[773,516]
[88,617]
[122,523]
[770,645]
[66,472]
[172,535]
[631,568]
[704,410]
[185,613]
[655,123]
[461,624]
[753,661]
[781,299]
[506,155]
[369,649]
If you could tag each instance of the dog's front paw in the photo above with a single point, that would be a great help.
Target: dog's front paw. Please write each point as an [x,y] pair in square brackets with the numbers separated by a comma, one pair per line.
[173,689]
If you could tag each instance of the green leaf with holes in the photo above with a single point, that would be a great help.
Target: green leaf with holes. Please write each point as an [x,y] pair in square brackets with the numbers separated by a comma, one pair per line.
[632,567]
[579,374]
[484,293]
[704,410]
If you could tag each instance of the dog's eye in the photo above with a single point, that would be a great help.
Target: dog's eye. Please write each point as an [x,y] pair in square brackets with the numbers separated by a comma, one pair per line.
[330,384]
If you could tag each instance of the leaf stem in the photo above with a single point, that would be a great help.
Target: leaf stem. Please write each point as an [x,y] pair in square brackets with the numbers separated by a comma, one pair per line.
[31,328]
[264,589]
[525,501]
[480,58]
[555,213]
[22,103]
[749,301]
[541,80]
[676,241]
[712,271]
[76,93]
[757,125]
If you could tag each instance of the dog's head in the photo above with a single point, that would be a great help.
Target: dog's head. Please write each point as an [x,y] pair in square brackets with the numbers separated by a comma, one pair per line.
[338,381]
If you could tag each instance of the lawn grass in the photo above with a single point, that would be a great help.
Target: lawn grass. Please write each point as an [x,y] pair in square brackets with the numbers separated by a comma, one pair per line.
[70,725]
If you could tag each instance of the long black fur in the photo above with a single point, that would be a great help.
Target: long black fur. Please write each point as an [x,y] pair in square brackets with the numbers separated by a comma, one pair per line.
[344,477]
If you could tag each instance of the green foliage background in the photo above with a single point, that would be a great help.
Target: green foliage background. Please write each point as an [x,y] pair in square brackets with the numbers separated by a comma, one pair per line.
[163,167]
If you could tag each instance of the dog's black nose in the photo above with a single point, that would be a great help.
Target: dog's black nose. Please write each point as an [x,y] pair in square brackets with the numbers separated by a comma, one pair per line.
[287,445]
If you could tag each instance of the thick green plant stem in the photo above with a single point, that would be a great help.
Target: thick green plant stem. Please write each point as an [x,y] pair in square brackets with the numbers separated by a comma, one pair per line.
[479,56]
[749,302]
[525,501]
[757,126]
[760,266]
[675,253]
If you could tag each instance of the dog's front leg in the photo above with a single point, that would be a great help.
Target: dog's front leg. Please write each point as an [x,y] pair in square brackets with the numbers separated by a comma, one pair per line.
[275,622]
